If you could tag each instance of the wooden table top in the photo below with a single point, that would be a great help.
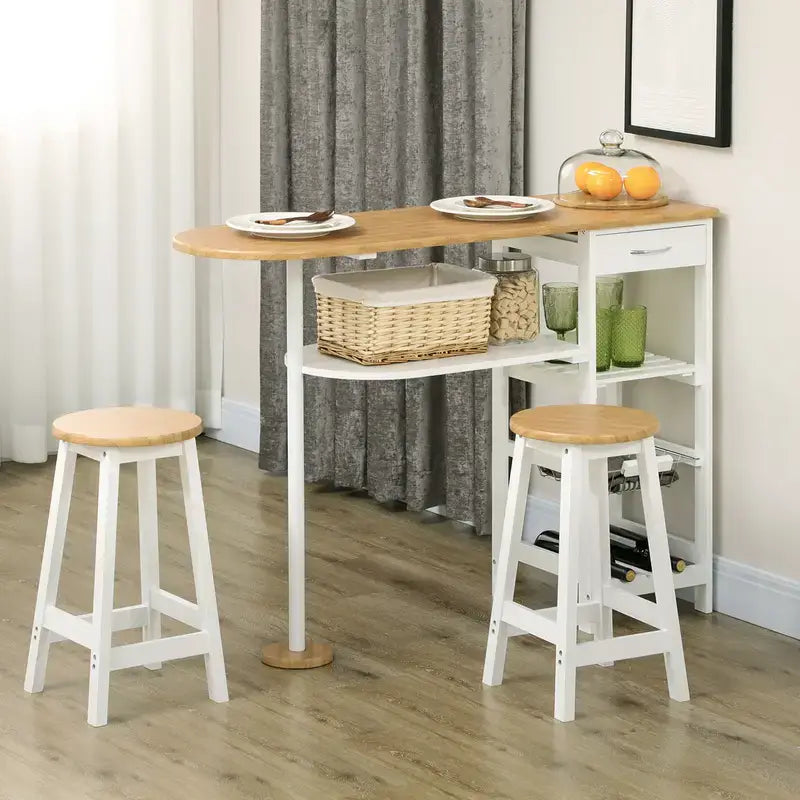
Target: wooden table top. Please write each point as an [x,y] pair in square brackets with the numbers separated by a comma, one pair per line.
[421,226]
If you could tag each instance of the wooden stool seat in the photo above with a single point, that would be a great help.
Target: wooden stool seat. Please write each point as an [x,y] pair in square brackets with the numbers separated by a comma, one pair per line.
[127,427]
[584,424]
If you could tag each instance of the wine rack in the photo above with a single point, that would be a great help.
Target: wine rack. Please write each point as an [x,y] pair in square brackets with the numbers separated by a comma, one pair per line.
[630,553]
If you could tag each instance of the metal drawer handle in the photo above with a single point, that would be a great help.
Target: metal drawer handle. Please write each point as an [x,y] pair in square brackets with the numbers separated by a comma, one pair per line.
[651,252]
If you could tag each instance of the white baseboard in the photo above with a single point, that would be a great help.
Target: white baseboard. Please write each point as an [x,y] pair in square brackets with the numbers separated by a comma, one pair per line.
[757,596]
[747,593]
[241,425]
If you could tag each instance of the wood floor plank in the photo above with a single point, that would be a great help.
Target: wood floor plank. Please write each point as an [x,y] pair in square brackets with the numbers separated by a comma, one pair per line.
[401,713]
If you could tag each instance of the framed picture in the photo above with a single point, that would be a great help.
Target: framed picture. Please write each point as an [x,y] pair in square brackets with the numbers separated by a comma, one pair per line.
[678,70]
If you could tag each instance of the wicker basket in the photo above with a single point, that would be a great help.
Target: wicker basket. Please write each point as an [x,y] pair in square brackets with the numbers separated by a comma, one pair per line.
[391,316]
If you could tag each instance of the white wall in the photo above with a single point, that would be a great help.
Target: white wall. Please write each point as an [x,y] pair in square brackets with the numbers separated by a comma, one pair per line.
[577,50]
[240,57]
[575,91]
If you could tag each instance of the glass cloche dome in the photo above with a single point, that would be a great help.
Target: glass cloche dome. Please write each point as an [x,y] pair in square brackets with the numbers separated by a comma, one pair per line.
[611,177]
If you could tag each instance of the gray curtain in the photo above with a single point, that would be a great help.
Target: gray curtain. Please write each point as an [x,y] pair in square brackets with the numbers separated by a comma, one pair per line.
[370,104]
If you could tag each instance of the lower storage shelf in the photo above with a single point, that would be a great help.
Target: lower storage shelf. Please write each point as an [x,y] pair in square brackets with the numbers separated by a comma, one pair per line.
[630,553]
[692,575]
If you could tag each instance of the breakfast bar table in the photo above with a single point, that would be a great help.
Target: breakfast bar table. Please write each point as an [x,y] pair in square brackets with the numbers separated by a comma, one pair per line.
[598,242]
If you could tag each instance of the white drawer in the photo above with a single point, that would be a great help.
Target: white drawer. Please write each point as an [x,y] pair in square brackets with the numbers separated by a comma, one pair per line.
[658,248]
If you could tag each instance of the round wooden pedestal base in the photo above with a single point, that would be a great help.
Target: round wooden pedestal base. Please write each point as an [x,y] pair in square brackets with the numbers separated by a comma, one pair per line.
[279,655]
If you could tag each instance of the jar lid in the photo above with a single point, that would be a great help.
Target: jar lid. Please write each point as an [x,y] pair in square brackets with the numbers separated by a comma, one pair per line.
[506,261]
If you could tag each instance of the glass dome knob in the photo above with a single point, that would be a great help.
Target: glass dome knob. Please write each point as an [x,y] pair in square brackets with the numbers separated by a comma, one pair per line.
[611,139]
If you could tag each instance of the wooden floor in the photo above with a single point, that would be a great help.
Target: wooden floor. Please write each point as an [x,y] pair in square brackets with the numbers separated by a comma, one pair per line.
[402,712]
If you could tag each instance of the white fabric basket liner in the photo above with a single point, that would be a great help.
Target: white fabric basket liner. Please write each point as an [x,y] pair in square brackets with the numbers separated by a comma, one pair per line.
[406,286]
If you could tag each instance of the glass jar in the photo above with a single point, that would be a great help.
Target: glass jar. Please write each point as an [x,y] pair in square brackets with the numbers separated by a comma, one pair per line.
[611,177]
[515,305]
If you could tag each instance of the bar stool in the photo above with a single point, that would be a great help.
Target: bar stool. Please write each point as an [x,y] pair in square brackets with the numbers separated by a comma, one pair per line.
[584,437]
[114,436]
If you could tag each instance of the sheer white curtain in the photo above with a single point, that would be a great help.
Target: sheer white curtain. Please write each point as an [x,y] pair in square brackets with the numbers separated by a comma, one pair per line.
[97,169]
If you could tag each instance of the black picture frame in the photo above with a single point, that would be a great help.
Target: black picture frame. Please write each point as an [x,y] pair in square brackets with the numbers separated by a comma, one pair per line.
[724,80]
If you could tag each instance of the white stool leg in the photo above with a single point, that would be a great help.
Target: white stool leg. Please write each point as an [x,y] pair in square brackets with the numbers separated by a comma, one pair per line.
[599,544]
[51,566]
[573,495]
[662,572]
[506,574]
[201,567]
[148,547]
[103,606]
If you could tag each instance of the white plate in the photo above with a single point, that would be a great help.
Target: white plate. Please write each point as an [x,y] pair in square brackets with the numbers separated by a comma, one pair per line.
[296,230]
[457,207]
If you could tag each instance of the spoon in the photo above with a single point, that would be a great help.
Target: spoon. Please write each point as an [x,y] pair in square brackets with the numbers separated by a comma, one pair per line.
[483,202]
[317,216]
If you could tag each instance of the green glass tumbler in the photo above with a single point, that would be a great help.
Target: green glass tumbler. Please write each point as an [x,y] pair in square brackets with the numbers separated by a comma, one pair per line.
[608,291]
[604,323]
[560,301]
[628,335]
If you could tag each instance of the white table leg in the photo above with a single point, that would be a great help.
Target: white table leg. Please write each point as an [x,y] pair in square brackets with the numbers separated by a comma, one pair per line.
[500,441]
[587,372]
[587,272]
[299,652]
[703,429]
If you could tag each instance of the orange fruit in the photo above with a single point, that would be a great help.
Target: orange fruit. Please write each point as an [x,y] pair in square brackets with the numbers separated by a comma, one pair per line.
[604,184]
[583,170]
[642,183]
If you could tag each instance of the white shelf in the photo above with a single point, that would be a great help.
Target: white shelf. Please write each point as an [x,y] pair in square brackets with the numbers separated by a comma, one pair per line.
[643,583]
[655,366]
[508,355]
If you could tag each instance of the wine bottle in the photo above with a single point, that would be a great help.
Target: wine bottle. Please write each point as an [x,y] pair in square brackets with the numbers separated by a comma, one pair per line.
[629,555]
[641,545]
[617,570]
[637,539]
